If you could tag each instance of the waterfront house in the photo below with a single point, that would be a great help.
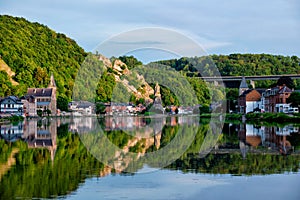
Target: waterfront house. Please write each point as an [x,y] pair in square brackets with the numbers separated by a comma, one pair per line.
[29,105]
[81,107]
[45,99]
[275,99]
[11,105]
[249,101]
[11,132]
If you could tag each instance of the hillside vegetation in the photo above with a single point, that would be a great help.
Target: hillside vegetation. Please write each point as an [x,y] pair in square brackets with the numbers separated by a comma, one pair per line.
[238,65]
[33,52]
[30,52]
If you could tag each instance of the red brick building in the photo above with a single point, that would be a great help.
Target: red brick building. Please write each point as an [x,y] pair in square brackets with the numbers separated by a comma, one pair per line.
[276,97]
[249,100]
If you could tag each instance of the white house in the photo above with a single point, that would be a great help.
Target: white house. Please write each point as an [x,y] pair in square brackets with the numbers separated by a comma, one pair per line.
[81,107]
[12,105]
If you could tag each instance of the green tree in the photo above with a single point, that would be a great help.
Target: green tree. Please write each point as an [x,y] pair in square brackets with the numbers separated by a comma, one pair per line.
[130,61]
[62,103]
[39,113]
[294,99]
[100,108]
[33,52]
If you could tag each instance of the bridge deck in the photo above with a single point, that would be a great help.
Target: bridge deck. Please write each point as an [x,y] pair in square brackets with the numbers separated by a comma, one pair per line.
[253,78]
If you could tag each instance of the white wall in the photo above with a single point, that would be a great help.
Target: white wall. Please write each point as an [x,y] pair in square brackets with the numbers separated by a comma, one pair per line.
[251,105]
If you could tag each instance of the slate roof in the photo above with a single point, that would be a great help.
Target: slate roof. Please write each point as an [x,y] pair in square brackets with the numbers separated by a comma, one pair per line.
[260,90]
[15,99]
[246,92]
[244,83]
[40,92]
[285,89]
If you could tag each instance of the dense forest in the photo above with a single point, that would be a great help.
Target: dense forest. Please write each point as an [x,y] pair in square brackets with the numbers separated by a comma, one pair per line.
[33,51]
[238,65]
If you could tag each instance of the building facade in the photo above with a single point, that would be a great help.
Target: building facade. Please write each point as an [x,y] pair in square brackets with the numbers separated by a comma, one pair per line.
[43,99]
[275,99]
[11,105]
[249,101]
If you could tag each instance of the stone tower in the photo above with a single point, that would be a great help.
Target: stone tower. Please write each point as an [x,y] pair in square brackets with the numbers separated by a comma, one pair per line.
[52,85]
[157,94]
[243,86]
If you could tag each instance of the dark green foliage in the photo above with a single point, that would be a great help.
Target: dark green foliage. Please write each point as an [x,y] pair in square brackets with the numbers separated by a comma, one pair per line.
[118,138]
[5,151]
[130,61]
[37,176]
[5,84]
[168,97]
[234,164]
[271,118]
[33,51]
[100,108]
[284,80]
[62,103]
[105,87]
[238,65]
[88,78]
[62,130]
[204,109]
[39,113]
[294,99]
[201,90]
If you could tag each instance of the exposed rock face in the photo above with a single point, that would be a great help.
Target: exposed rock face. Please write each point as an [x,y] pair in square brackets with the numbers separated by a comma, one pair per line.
[120,69]
[7,69]
[105,61]
[119,65]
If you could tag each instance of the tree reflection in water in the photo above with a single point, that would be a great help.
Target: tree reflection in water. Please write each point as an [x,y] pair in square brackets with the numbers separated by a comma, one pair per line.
[37,174]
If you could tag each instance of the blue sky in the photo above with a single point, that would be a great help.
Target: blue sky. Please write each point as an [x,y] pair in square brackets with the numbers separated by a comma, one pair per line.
[221,27]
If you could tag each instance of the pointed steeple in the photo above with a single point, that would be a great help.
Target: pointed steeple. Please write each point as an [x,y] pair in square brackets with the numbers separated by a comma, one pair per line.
[157,94]
[52,83]
[243,86]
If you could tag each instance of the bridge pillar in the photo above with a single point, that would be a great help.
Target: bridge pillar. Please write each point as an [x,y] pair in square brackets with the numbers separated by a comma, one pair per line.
[216,83]
[252,83]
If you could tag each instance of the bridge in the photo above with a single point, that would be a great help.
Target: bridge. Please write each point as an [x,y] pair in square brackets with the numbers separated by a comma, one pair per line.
[234,81]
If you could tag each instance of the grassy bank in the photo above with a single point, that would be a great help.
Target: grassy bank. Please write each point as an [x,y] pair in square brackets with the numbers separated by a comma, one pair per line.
[11,119]
[257,117]
[273,117]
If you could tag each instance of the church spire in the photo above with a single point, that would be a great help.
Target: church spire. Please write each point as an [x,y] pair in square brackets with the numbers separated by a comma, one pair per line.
[52,83]
[243,86]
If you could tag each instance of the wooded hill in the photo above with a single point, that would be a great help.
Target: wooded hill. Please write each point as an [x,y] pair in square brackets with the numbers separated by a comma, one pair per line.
[33,52]
[30,52]
[238,65]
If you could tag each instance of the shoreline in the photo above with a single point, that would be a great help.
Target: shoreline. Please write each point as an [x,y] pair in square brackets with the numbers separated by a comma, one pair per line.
[257,118]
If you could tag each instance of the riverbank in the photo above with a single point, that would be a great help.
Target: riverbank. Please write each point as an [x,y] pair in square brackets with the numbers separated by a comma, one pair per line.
[10,119]
[257,117]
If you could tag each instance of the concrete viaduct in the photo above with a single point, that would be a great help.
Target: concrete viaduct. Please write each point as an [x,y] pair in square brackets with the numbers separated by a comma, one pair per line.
[234,81]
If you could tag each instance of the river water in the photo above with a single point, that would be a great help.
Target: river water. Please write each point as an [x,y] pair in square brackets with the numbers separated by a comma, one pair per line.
[148,158]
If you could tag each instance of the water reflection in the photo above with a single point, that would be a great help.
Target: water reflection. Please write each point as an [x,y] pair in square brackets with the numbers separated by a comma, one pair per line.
[252,138]
[36,133]
[274,139]
[50,149]
[129,143]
